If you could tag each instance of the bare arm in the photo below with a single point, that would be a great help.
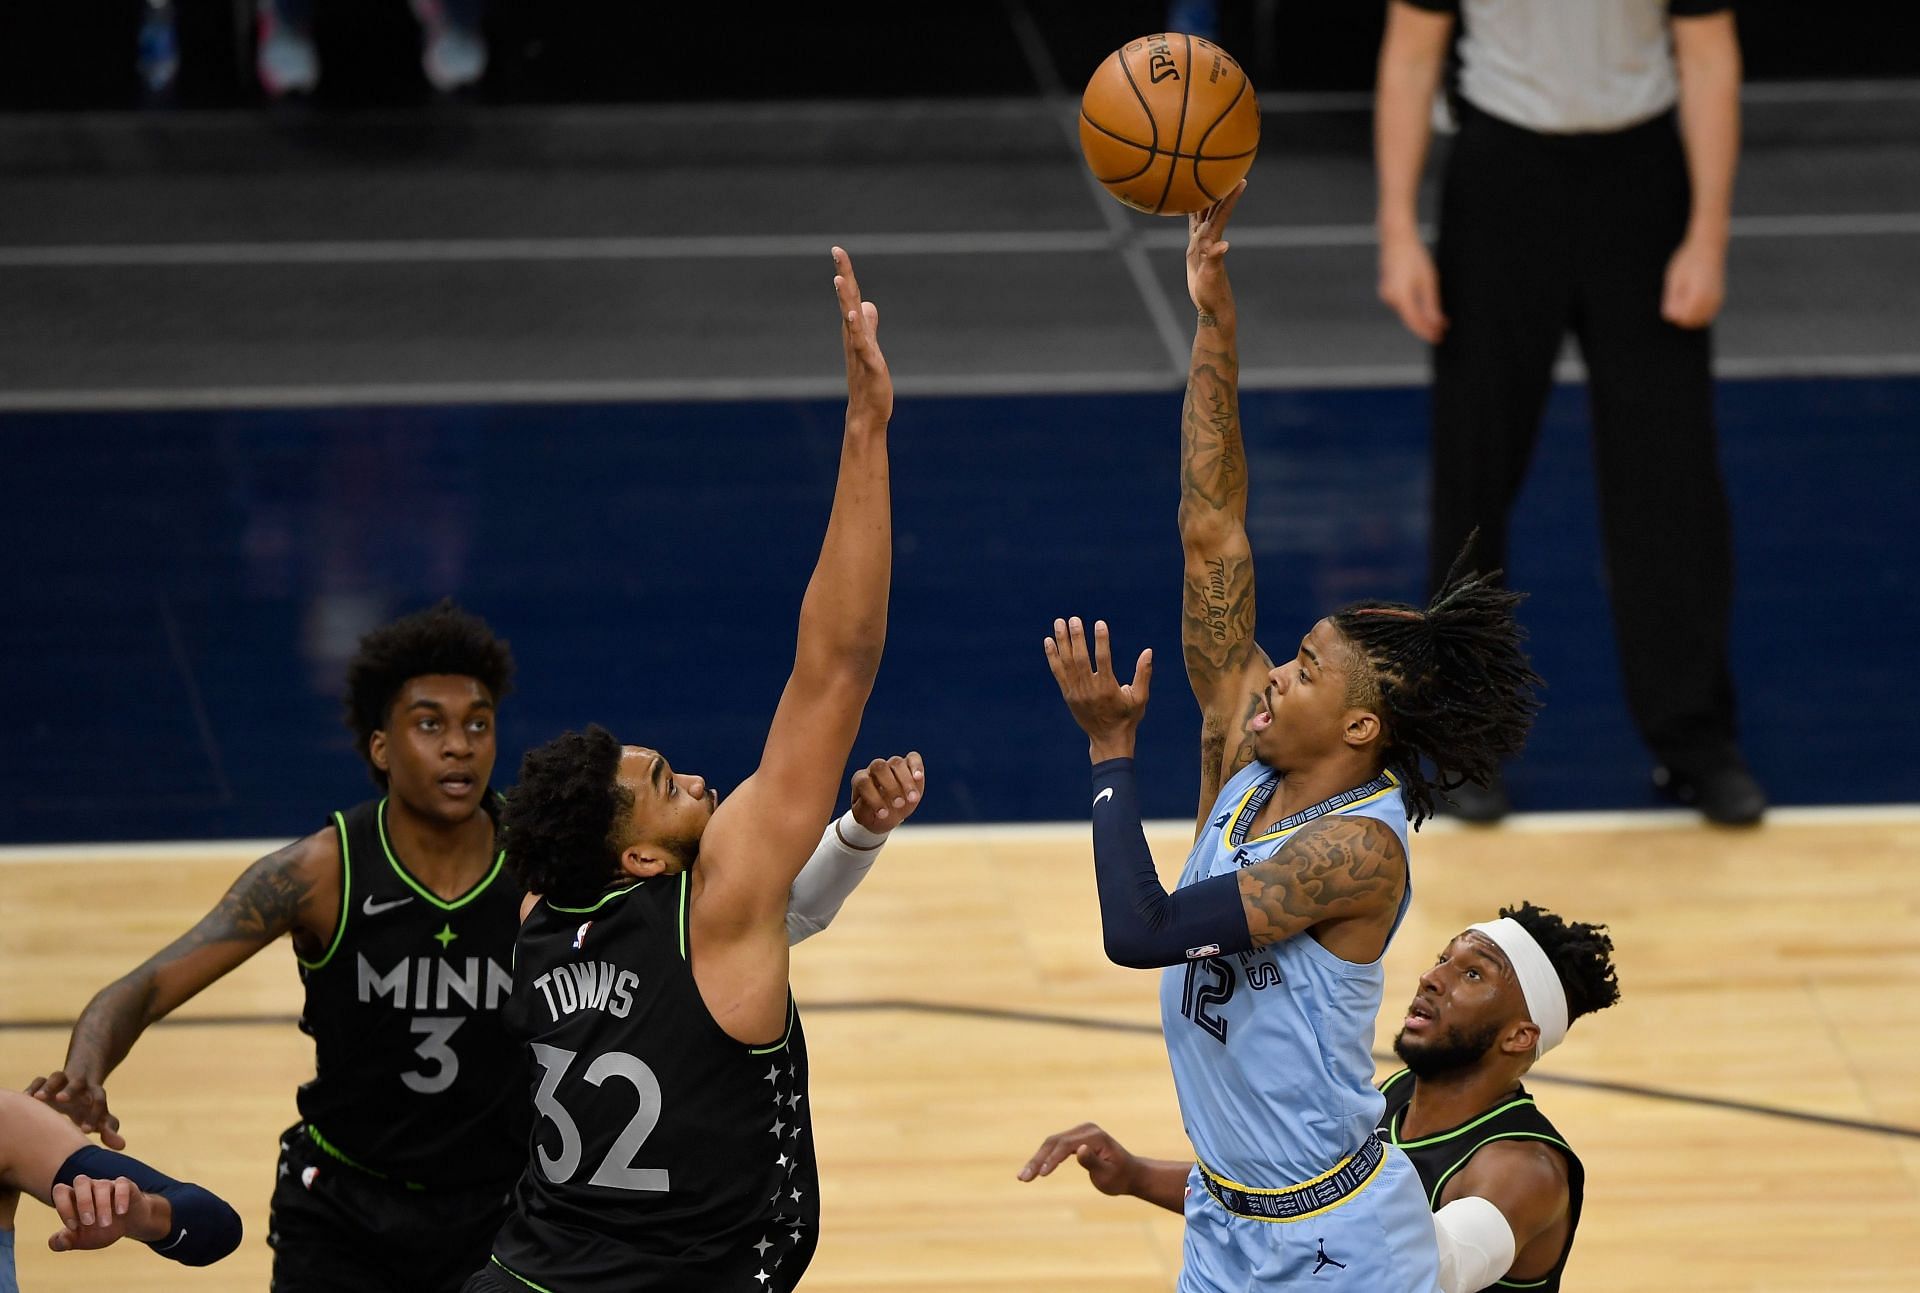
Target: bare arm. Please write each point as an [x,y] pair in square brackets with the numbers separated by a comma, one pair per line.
[1412,55]
[763,834]
[1225,666]
[1340,877]
[1527,1182]
[281,892]
[1706,53]
[1113,1170]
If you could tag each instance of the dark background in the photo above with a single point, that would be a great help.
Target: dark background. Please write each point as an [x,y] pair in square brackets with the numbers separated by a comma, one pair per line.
[79,53]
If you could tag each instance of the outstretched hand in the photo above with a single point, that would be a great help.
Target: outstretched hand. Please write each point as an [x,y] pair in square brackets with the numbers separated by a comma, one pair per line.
[81,1099]
[1206,251]
[1107,1161]
[1108,711]
[869,384]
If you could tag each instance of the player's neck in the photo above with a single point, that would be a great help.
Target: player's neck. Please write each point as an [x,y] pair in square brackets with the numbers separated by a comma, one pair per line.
[447,857]
[1448,1100]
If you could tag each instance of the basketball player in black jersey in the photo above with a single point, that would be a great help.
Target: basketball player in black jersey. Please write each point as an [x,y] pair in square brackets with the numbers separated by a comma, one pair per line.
[415,1124]
[1505,1187]
[673,1148]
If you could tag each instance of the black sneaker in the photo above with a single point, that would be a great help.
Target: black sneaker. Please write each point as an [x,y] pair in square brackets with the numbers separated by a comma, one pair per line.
[1481,805]
[1725,793]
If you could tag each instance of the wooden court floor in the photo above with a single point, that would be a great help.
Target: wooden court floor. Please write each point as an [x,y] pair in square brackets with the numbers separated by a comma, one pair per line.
[1748,1113]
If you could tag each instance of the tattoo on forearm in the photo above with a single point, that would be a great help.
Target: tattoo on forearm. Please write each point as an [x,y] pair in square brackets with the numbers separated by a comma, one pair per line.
[1216,622]
[1213,466]
[1349,867]
[1208,319]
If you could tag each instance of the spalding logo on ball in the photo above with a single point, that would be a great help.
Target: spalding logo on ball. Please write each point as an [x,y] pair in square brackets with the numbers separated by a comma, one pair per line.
[1169,124]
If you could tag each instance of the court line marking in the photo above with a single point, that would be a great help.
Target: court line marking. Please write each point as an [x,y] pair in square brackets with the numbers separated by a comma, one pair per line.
[996,1014]
[1623,820]
[1119,235]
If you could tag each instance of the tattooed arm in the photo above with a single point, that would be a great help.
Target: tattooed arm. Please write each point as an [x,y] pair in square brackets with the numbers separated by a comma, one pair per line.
[1225,666]
[296,889]
[1340,877]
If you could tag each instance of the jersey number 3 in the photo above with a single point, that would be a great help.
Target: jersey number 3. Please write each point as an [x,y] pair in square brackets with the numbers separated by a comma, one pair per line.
[616,1170]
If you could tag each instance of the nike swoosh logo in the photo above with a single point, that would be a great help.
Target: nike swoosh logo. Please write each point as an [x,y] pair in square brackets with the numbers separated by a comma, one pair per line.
[1104,794]
[373,908]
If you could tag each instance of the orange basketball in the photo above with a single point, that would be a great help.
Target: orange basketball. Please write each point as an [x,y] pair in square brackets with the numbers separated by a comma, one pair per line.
[1169,123]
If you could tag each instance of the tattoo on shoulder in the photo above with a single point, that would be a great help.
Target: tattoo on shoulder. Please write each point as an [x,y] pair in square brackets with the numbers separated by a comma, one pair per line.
[1343,866]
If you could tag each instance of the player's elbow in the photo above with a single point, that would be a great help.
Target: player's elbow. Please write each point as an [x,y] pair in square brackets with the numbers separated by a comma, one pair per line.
[1132,952]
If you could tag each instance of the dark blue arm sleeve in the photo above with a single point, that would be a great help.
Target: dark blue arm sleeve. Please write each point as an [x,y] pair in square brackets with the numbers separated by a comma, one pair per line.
[205,1228]
[1145,926]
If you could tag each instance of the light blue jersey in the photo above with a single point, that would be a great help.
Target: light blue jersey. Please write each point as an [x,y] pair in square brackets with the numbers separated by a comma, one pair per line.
[1272,1049]
[1272,1056]
[7,1282]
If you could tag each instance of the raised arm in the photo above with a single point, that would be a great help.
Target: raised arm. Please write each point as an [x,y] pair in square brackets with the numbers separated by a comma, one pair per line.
[1412,55]
[1225,667]
[1706,54]
[764,832]
[1339,878]
[885,793]
[296,887]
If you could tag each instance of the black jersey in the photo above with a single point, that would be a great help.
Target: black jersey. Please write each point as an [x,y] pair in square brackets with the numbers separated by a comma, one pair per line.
[1438,1157]
[665,1155]
[415,1076]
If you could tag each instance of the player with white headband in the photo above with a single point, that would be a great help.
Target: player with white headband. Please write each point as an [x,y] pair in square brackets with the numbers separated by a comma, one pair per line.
[1505,1187]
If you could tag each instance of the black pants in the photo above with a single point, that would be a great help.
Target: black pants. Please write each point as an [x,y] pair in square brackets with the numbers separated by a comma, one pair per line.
[335,1228]
[1541,236]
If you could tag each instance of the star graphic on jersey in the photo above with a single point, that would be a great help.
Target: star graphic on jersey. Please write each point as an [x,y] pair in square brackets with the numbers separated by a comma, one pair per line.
[781,1161]
[283,1169]
[795,1236]
[796,1131]
[761,1247]
[795,1101]
[762,1277]
[796,1196]
[773,1074]
[791,1070]
[445,936]
[778,1127]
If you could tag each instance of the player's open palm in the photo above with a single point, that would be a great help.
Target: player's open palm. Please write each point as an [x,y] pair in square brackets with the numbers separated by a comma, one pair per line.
[869,384]
[1206,249]
[1106,709]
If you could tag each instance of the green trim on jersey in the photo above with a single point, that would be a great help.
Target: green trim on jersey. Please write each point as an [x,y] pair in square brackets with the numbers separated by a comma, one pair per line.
[346,894]
[1393,1128]
[517,1275]
[685,882]
[332,1150]
[1515,1284]
[499,861]
[793,1013]
[581,911]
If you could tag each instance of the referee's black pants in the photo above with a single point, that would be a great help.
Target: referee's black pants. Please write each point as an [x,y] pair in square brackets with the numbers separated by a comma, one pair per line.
[1544,235]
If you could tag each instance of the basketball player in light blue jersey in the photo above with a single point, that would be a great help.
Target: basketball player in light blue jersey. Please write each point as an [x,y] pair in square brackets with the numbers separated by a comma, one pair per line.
[1311,766]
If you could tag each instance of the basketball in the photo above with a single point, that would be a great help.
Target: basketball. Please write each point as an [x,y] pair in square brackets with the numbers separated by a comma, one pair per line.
[1169,123]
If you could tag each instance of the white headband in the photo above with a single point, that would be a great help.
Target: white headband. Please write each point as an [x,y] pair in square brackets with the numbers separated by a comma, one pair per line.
[1539,982]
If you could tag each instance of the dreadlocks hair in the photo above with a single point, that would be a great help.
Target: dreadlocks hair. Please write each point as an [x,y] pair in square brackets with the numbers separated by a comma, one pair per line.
[1582,955]
[559,822]
[441,639]
[1451,682]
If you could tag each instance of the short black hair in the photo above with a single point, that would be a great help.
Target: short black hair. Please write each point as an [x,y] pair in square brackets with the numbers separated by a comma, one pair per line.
[440,639]
[1452,683]
[1582,956]
[559,822]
